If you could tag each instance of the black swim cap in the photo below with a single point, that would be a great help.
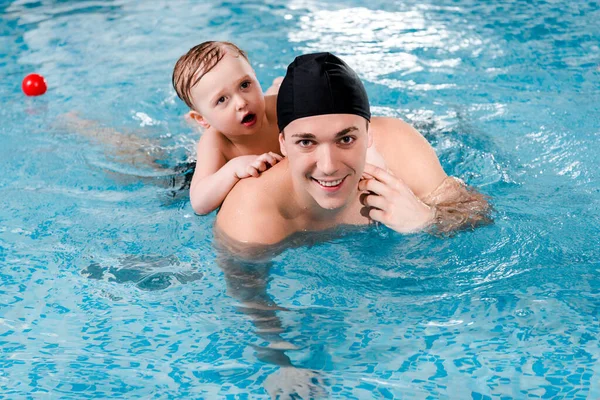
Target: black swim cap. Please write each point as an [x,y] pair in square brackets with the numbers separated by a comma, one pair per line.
[318,84]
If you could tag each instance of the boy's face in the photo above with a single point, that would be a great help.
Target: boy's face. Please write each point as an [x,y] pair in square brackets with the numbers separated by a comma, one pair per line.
[229,98]
[326,156]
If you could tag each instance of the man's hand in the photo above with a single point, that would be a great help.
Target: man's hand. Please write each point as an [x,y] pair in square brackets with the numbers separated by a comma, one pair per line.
[390,201]
[246,166]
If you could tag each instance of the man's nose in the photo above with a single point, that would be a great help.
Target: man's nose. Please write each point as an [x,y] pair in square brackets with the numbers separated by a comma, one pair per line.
[327,160]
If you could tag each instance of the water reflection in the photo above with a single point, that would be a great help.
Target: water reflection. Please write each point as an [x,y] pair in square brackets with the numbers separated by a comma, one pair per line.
[246,270]
[380,43]
[146,272]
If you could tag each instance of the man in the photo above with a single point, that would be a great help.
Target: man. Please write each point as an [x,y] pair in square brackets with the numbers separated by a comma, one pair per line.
[327,178]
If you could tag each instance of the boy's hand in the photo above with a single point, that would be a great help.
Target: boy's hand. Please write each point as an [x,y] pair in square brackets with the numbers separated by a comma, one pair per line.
[247,166]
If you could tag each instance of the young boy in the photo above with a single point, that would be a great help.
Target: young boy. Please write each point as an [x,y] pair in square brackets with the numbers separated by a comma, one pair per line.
[240,140]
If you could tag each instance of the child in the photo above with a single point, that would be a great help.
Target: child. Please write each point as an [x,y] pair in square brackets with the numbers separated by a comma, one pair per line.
[240,140]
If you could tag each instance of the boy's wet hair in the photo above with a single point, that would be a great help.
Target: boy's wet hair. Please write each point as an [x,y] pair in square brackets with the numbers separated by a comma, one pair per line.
[199,60]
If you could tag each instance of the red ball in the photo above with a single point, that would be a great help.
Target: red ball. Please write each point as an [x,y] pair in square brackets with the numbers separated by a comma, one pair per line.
[34,85]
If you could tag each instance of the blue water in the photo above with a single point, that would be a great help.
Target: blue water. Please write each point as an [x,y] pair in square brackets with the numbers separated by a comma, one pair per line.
[110,286]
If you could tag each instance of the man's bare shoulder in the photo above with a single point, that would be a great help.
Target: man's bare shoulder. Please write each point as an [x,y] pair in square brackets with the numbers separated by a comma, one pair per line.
[407,154]
[393,130]
[252,211]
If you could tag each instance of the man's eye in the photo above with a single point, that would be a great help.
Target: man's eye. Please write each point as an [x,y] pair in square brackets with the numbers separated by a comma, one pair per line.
[245,85]
[304,142]
[347,140]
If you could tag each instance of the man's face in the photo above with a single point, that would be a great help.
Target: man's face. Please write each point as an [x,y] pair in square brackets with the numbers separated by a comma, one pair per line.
[326,156]
[229,98]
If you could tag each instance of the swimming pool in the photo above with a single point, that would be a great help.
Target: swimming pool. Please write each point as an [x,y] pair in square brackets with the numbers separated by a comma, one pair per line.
[109,283]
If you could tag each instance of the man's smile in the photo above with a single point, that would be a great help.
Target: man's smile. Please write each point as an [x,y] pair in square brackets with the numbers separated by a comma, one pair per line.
[330,185]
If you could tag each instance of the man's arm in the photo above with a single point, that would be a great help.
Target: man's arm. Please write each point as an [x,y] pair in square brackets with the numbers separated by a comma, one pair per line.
[246,269]
[458,206]
[408,155]
[247,283]
[413,164]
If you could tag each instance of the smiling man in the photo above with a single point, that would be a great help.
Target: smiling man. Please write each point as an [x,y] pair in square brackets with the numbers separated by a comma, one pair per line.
[328,178]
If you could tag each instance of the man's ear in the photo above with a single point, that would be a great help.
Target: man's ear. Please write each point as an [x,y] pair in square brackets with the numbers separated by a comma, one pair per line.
[282,144]
[369,136]
[199,119]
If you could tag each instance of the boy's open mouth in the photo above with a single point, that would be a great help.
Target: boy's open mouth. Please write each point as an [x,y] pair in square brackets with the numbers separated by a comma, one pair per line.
[249,120]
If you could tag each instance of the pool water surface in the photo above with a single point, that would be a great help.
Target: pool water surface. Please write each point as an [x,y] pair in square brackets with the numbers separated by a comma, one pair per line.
[110,286]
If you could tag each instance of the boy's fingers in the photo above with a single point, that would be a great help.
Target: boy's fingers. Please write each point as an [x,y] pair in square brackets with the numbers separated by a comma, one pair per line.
[276,156]
[272,159]
[252,171]
[265,158]
[263,162]
[271,154]
[261,166]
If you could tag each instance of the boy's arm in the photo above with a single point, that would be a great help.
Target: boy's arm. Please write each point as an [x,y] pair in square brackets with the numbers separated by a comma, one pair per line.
[214,175]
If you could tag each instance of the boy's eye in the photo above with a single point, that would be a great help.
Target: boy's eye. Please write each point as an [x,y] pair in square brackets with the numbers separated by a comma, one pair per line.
[221,100]
[245,84]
